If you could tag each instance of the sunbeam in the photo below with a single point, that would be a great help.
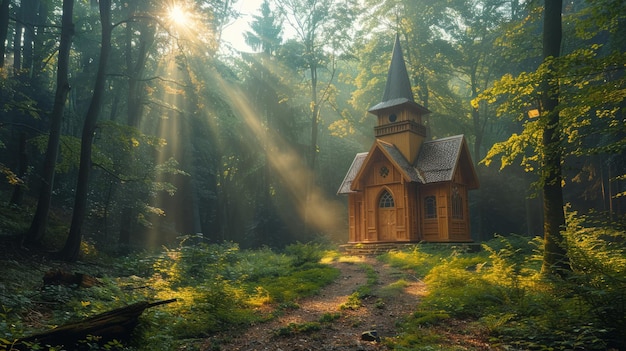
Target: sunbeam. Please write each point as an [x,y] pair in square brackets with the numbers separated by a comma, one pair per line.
[317,211]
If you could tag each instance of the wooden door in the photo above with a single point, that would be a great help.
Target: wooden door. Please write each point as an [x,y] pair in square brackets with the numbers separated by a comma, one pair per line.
[386,217]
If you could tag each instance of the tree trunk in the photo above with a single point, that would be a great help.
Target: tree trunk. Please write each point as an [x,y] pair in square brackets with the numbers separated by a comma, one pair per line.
[40,220]
[4,28]
[314,118]
[17,40]
[30,16]
[554,259]
[72,245]
[22,169]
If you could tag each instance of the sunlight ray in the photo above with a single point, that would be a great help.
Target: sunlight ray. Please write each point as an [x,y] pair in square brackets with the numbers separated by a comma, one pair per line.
[316,210]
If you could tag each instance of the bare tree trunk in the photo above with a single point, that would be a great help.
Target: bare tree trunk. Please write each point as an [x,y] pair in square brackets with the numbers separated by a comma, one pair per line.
[30,17]
[17,40]
[4,28]
[554,259]
[40,220]
[72,245]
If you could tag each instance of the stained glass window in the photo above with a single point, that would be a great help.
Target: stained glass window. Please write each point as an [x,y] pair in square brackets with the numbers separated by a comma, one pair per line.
[386,200]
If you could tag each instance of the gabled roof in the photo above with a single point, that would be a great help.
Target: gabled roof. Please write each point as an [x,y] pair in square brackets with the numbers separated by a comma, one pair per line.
[439,159]
[362,159]
[398,87]
[436,162]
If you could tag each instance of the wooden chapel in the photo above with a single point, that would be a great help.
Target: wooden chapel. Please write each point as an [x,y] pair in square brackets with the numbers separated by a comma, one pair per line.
[407,188]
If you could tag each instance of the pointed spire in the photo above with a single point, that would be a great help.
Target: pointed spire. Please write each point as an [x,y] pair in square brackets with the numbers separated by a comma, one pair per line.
[398,83]
[398,87]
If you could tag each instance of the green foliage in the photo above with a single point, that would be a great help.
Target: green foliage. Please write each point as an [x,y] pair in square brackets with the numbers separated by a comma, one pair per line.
[307,327]
[304,253]
[598,259]
[416,334]
[393,289]
[303,282]
[416,259]
[329,317]
[217,287]
[297,328]
[353,302]
[501,288]
[459,291]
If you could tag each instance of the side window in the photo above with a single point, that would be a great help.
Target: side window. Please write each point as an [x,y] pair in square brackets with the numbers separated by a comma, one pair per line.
[457,204]
[386,200]
[430,207]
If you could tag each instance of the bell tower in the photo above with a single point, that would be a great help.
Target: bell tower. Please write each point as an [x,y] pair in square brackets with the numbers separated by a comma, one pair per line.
[399,116]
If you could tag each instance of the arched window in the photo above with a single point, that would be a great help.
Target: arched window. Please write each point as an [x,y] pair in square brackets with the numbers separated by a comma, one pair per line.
[457,204]
[430,207]
[386,200]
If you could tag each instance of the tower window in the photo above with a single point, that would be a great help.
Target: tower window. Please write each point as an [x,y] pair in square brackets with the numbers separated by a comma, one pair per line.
[393,117]
[430,207]
[386,200]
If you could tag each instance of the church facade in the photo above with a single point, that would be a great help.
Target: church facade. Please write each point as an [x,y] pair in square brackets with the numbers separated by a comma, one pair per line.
[407,188]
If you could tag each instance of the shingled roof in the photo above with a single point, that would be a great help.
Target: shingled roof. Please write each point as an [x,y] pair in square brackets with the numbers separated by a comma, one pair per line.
[410,172]
[344,188]
[436,162]
[438,158]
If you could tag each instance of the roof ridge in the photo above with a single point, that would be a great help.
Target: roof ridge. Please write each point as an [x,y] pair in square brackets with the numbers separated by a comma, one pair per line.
[458,136]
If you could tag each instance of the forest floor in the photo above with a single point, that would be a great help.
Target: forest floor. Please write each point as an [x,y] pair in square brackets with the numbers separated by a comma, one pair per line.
[320,323]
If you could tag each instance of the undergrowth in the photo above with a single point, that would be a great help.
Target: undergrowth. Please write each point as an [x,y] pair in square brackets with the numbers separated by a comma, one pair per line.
[501,291]
[217,287]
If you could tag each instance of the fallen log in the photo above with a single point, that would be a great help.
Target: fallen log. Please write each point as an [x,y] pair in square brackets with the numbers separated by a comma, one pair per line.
[115,324]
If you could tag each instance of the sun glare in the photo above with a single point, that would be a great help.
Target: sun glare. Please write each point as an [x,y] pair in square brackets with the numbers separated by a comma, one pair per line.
[177,15]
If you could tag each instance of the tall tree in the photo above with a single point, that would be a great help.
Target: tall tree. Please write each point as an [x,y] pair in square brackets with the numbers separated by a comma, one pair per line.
[4,28]
[266,31]
[71,249]
[38,226]
[554,258]
[579,95]
[262,81]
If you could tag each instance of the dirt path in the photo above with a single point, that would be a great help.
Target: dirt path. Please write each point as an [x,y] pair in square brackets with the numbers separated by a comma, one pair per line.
[335,328]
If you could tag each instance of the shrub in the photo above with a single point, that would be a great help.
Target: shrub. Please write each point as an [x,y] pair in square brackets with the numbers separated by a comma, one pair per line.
[304,253]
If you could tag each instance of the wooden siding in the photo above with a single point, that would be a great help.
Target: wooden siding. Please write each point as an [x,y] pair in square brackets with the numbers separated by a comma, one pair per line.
[402,114]
[407,133]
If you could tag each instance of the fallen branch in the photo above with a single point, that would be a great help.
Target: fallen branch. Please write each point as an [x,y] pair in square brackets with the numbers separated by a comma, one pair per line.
[115,324]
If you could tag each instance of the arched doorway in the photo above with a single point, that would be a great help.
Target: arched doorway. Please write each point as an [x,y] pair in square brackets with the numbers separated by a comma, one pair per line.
[386,217]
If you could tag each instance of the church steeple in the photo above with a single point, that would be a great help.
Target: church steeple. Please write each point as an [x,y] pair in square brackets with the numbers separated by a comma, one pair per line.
[398,84]
[399,116]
